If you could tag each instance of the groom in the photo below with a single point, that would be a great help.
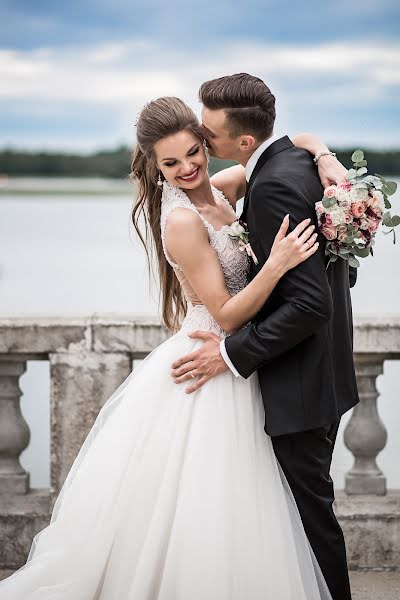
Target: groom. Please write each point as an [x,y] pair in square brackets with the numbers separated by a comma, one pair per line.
[300,343]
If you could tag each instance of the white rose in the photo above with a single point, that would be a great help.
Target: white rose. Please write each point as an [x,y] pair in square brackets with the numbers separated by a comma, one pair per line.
[237,229]
[381,200]
[338,217]
[358,194]
[342,194]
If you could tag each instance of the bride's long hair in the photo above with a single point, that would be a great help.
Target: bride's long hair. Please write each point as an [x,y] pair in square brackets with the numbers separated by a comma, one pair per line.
[158,119]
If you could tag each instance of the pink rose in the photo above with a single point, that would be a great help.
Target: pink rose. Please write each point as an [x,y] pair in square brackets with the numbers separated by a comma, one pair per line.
[377,212]
[346,185]
[330,191]
[358,208]
[329,232]
[319,208]
[328,219]
[374,225]
[348,217]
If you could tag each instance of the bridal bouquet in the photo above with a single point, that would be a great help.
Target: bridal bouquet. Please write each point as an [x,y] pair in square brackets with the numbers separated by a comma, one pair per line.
[350,213]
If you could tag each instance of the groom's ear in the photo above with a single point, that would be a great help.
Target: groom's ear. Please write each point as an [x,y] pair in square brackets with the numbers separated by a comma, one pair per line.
[247,143]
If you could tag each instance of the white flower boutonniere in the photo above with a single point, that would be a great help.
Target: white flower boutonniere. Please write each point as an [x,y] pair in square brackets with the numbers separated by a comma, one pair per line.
[237,231]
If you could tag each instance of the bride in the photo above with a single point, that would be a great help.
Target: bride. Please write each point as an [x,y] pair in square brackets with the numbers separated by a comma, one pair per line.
[175,496]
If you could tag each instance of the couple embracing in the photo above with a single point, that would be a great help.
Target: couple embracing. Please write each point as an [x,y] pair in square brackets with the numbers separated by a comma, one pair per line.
[206,474]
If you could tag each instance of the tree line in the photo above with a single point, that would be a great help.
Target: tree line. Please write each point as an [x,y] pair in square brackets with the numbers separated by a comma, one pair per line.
[116,163]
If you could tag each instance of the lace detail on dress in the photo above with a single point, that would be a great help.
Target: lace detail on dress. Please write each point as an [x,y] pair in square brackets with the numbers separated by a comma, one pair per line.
[234,262]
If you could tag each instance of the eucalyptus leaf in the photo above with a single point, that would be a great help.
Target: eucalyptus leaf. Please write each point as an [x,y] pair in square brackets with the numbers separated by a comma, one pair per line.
[372,179]
[387,219]
[387,203]
[333,258]
[361,171]
[362,163]
[390,188]
[351,174]
[380,177]
[362,252]
[353,262]
[395,220]
[328,202]
[357,155]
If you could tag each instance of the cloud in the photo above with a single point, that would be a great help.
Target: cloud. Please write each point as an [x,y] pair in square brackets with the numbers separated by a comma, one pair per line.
[115,79]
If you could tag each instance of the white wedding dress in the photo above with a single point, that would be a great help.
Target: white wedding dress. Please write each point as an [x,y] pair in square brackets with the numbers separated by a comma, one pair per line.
[175,496]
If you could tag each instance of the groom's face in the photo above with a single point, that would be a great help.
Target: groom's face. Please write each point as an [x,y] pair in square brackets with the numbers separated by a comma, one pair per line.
[219,141]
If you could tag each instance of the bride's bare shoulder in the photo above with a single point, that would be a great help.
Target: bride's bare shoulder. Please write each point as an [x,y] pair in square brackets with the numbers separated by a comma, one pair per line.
[183,222]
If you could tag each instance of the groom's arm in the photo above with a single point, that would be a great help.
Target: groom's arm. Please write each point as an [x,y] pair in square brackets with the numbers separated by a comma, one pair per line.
[305,292]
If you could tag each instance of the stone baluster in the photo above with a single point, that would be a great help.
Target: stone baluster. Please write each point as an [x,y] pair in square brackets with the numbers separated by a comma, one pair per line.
[14,431]
[80,383]
[365,435]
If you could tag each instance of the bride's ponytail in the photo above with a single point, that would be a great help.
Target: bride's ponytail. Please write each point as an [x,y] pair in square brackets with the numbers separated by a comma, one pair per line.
[159,119]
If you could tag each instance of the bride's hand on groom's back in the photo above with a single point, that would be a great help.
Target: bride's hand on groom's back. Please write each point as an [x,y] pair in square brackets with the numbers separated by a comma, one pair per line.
[331,171]
[291,249]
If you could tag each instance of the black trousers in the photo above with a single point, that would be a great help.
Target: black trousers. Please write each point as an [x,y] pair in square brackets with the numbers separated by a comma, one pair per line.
[305,458]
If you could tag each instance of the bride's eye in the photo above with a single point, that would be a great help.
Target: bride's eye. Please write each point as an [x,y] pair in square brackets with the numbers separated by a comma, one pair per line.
[194,151]
[169,164]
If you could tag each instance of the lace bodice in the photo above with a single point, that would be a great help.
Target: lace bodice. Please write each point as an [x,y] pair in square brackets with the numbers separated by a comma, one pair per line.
[234,262]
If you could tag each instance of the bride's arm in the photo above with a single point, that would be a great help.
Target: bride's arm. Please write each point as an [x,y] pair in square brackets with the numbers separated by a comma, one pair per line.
[330,170]
[188,245]
[231,182]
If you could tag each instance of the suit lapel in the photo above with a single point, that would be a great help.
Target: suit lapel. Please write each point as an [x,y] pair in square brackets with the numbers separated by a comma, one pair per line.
[283,143]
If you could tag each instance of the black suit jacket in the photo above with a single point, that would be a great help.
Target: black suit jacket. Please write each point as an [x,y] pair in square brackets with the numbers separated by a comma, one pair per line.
[301,341]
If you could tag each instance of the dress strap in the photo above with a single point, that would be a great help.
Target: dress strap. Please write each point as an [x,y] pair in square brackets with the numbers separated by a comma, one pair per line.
[174,197]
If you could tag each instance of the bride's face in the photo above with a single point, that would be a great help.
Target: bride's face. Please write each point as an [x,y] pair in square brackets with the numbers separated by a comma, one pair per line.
[181,159]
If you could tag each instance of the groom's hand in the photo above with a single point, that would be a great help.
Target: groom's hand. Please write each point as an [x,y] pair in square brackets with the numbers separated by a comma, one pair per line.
[202,364]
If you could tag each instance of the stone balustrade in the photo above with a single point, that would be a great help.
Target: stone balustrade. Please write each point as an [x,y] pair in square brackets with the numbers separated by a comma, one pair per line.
[90,356]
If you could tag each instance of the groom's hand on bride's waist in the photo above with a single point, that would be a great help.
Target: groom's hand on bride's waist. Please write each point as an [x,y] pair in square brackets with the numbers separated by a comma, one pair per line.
[201,365]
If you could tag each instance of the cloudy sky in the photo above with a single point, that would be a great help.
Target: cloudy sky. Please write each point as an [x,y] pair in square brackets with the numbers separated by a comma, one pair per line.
[74,74]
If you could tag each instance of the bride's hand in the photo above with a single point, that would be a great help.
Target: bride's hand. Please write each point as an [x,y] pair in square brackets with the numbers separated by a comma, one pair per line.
[291,249]
[331,171]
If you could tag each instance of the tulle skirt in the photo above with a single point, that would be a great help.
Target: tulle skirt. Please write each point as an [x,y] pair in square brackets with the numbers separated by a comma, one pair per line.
[173,497]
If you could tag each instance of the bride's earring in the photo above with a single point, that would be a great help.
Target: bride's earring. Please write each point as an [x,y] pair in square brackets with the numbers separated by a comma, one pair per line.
[159,180]
[206,151]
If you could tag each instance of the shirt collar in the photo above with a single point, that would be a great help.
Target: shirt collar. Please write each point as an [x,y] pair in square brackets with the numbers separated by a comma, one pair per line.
[251,163]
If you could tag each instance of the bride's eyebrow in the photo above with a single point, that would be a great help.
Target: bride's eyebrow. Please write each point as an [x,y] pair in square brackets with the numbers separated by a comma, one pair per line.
[188,152]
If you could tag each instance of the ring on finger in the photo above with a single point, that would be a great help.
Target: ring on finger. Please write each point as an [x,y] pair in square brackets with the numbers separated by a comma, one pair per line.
[192,375]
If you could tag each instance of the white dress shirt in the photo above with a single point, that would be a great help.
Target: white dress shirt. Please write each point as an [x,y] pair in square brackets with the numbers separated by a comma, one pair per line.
[251,163]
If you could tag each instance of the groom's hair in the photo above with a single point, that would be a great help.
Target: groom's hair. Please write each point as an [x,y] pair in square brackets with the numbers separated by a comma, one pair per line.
[248,103]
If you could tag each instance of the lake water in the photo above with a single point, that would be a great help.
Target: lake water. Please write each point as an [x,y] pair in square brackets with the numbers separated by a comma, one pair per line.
[66,246]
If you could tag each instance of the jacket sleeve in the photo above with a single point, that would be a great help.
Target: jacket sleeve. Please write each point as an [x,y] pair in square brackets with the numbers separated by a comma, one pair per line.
[304,292]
